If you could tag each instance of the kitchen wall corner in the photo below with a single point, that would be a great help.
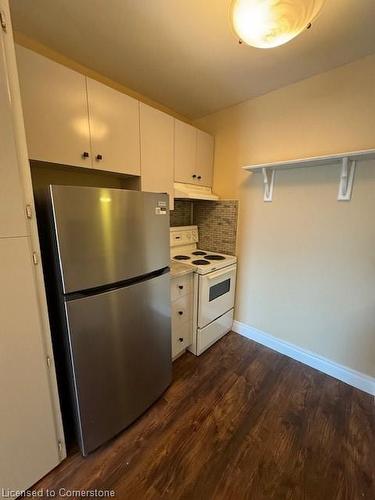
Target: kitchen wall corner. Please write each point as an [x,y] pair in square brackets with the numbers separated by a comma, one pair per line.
[182,215]
[217,225]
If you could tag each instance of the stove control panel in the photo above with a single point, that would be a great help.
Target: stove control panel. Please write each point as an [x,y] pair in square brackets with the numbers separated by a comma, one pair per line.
[183,235]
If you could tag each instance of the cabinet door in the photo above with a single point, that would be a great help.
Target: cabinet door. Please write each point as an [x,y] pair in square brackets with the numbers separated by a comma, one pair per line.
[157,150]
[114,128]
[12,212]
[205,157]
[54,102]
[28,438]
[185,152]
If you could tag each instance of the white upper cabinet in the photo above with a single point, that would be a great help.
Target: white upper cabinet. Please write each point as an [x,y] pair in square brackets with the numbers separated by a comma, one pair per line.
[54,102]
[74,120]
[204,158]
[185,152]
[12,212]
[157,149]
[114,128]
[194,152]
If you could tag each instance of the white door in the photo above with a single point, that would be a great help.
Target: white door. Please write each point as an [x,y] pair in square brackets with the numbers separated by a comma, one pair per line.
[157,150]
[185,153]
[29,422]
[205,158]
[114,128]
[28,438]
[12,211]
[54,105]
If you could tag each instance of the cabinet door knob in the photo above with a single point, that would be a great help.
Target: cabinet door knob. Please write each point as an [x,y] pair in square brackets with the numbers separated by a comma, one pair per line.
[85,154]
[199,177]
[99,157]
[193,176]
[181,287]
[180,313]
[181,339]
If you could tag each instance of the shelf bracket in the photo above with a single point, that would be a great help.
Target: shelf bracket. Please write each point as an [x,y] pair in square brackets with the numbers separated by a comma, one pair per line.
[346,179]
[268,179]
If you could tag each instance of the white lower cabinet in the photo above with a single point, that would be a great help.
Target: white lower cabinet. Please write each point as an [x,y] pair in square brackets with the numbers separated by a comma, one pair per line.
[180,286]
[182,313]
[181,339]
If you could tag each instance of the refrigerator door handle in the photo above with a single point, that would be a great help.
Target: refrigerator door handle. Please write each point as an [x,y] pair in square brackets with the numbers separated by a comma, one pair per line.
[114,286]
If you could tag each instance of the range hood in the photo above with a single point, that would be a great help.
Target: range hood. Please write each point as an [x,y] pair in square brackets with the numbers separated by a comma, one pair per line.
[193,192]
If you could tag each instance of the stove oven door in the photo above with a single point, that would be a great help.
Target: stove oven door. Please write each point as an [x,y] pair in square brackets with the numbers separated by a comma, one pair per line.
[216,294]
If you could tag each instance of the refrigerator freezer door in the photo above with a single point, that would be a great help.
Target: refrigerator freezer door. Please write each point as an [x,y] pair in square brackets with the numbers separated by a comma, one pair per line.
[108,235]
[120,348]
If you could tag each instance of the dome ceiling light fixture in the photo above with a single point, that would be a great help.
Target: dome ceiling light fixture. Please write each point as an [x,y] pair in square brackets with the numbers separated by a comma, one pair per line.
[269,23]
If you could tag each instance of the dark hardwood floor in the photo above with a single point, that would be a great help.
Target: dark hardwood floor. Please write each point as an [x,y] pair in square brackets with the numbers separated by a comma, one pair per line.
[239,422]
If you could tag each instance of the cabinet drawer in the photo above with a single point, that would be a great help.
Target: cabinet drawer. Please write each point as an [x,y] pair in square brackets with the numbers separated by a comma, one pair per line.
[181,310]
[181,338]
[181,286]
[214,331]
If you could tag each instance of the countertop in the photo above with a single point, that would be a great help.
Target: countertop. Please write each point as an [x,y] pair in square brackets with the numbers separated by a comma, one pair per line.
[178,269]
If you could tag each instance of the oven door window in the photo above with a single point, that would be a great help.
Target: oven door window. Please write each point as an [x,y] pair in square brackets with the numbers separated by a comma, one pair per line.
[219,289]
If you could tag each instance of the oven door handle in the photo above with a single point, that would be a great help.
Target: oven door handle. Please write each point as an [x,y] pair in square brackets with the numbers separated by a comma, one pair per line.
[220,272]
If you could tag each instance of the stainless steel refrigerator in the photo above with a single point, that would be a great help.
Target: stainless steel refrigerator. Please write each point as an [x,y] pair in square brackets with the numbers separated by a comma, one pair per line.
[107,254]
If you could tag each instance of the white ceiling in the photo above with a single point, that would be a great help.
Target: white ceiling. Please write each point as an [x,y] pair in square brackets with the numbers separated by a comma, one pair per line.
[183,54]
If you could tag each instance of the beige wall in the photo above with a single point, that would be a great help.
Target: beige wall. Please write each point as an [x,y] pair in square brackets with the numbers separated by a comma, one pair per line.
[306,261]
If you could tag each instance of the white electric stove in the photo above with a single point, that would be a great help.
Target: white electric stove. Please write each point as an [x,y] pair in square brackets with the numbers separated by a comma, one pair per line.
[214,286]
[184,249]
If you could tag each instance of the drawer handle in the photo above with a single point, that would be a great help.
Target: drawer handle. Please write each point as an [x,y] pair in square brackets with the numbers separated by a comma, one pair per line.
[98,157]
[181,339]
[85,154]
[180,313]
[181,287]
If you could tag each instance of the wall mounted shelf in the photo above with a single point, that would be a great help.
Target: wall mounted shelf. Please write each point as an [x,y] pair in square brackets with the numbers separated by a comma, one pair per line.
[348,163]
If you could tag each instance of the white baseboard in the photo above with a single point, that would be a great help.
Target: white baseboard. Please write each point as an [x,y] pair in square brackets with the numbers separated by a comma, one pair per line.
[352,377]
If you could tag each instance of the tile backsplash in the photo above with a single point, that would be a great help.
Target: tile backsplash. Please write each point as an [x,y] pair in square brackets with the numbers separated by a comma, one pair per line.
[216,221]
[182,213]
[217,225]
